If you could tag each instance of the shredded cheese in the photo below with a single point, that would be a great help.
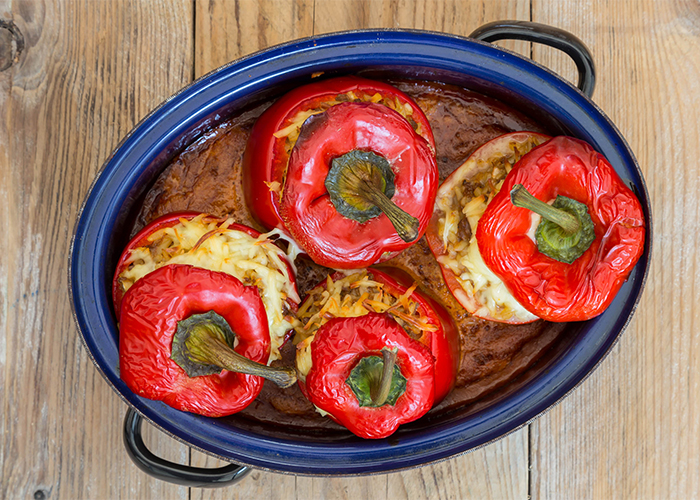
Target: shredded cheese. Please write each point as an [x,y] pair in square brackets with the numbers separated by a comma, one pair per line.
[209,244]
[296,122]
[293,248]
[352,296]
[303,358]
[293,125]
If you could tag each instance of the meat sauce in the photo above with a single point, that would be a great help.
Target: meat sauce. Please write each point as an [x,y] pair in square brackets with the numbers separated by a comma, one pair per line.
[206,177]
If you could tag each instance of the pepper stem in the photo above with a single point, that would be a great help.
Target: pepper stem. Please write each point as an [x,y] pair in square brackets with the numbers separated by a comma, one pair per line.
[203,345]
[566,230]
[520,197]
[384,386]
[377,381]
[361,184]
[406,225]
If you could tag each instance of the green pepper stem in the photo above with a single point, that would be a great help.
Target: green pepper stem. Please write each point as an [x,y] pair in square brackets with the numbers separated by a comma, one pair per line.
[405,224]
[520,197]
[389,359]
[360,184]
[210,349]
[203,345]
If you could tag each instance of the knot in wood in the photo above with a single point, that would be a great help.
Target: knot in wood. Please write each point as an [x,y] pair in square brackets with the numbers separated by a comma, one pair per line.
[11,44]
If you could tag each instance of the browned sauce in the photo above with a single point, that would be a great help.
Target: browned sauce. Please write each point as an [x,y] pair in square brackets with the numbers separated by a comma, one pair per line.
[206,177]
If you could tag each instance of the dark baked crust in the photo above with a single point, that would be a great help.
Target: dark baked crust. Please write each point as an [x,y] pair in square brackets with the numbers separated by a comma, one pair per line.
[206,177]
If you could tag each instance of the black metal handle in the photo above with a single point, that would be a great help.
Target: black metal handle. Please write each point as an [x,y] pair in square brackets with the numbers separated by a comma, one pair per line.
[547,35]
[195,477]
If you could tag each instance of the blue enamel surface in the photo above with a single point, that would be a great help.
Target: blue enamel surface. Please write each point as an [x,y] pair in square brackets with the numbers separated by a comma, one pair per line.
[139,158]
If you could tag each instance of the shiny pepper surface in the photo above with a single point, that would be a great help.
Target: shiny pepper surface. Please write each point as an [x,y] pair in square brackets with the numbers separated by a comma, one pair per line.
[550,289]
[290,155]
[340,345]
[150,312]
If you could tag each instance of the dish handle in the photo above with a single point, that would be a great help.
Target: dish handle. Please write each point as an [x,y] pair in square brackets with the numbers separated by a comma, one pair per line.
[547,35]
[194,477]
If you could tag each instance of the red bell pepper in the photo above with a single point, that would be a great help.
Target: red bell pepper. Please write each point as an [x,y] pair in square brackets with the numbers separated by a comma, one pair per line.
[389,292]
[176,342]
[346,167]
[550,287]
[443,341]
[369,375]
[205,241]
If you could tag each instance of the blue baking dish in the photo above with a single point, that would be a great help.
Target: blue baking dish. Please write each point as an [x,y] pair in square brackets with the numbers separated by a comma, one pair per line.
[104,221]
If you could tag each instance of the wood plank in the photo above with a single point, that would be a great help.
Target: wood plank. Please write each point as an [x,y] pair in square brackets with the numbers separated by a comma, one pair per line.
[448,16]
[89,71]
[227,30]
[632,429]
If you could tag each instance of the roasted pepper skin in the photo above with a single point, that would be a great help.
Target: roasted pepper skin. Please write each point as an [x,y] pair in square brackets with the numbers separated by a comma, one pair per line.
[329,238]
[553,290]
[337,348]
[285,189]
[150,311]
[141,239]
[443,343]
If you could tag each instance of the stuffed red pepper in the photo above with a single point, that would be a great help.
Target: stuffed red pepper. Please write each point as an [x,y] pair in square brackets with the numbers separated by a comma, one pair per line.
[346,167]
[218,245]
[367,315]
[564,232]
[197,340]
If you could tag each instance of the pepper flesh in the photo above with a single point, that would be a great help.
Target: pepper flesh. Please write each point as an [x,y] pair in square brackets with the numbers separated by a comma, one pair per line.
[553,290]
[339,345]
[301,206]
[151,310]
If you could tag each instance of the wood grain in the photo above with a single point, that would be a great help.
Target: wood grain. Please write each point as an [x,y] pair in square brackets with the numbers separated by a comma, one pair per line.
[88,73]
[227,30]
[449,16]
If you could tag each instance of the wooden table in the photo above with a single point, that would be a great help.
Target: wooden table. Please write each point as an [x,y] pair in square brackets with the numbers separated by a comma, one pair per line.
[78,75]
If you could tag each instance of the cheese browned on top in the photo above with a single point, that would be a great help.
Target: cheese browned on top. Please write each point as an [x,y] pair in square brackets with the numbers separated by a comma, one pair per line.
[210,244]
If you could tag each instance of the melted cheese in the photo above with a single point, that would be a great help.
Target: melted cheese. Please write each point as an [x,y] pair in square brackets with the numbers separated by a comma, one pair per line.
[463,257]
[293,125]
[254,261]
[293,248]
[304,361]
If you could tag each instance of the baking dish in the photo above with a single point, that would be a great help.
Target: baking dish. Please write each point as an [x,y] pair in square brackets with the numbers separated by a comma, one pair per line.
[104,221]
